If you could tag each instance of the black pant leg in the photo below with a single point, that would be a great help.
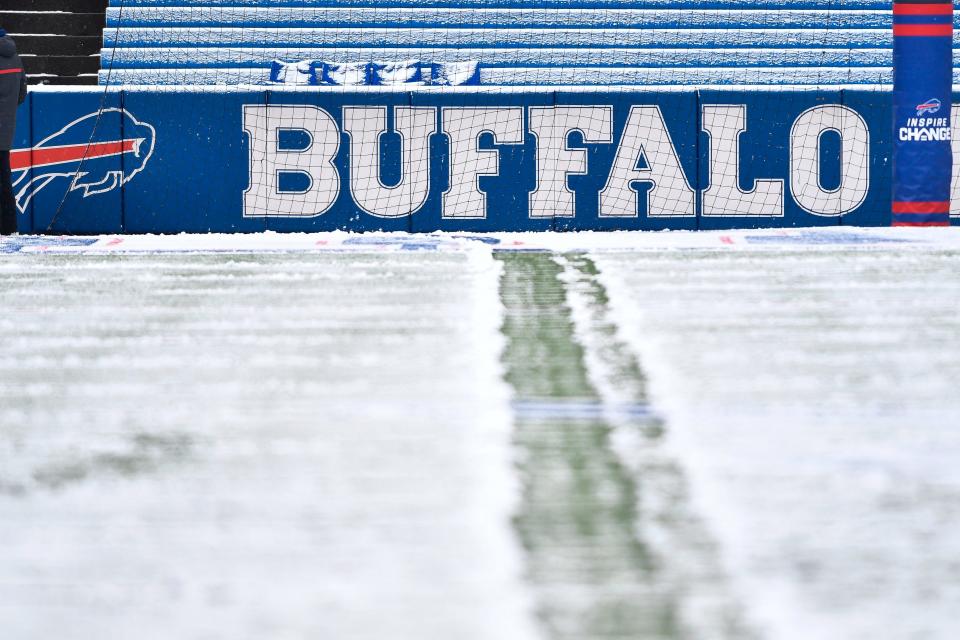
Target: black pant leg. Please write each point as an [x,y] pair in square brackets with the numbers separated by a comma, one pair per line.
[8,204]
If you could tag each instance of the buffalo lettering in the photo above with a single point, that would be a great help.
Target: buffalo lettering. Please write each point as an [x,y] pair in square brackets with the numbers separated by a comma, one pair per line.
[641,172]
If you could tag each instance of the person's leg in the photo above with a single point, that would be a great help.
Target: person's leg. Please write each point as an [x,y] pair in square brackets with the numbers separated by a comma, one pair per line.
[8,205]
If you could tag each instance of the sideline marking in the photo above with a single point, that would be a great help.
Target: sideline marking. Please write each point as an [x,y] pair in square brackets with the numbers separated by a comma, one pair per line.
[538,242]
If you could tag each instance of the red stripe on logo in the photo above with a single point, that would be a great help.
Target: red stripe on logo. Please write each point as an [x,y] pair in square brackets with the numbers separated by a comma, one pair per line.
[923,30]
[900,9]
[5,71]
[21,159]
[922,207]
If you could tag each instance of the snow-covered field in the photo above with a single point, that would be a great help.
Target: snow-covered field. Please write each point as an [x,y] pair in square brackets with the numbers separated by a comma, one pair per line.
[581,436]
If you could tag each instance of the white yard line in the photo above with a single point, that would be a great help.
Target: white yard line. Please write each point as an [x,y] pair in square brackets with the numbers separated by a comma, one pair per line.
[684,551]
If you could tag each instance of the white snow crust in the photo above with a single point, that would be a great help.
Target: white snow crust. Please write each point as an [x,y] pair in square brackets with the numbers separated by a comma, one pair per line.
[255,445]
[309,435]
[810,392]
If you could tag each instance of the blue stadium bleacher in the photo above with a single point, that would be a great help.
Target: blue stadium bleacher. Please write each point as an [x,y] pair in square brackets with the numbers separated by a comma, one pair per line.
[517,42]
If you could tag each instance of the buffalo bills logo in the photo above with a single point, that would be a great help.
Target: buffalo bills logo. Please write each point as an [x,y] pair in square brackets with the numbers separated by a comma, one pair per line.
[930,106]
[85,152]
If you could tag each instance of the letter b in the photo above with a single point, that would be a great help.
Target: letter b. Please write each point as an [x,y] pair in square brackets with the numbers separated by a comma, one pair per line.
[313,163]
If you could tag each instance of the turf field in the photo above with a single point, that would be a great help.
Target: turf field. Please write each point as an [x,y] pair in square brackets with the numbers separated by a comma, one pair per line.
[739,435]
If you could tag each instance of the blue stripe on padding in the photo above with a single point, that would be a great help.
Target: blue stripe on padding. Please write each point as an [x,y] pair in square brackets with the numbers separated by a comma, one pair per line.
[921,217]
[926,20]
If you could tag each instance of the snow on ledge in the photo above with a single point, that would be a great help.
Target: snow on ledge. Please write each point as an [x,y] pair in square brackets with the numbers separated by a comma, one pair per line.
[338,242]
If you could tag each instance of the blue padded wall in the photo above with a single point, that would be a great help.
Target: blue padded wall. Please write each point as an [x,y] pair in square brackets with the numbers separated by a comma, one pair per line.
[188,162]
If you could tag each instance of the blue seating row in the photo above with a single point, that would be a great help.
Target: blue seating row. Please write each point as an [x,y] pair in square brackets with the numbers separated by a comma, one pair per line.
[517,42]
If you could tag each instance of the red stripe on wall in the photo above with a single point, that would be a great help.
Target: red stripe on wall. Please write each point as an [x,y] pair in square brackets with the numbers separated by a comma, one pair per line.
[921,224]
[5,71]
[900,9]
[923,30]
[922,207]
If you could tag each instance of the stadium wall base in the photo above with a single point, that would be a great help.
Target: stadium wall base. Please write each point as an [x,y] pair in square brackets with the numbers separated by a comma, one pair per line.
[160,161]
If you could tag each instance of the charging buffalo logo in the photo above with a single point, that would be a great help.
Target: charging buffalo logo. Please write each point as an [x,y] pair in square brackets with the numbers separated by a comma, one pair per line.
[930,106]
[90,152]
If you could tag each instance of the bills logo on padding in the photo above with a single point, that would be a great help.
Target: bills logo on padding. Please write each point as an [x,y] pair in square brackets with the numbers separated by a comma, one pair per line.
[90,152]
[931,106]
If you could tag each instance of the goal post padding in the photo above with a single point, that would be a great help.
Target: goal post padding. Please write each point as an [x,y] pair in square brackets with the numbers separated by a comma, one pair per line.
[923,78]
